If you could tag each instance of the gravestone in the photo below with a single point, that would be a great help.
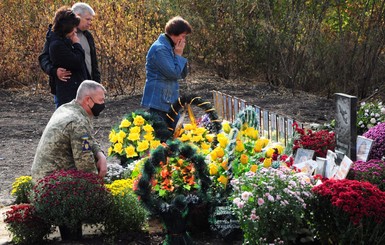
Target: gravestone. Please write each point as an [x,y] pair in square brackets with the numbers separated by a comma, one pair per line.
[346,129]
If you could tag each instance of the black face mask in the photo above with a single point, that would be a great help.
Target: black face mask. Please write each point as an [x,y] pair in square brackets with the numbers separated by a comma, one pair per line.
[97,108]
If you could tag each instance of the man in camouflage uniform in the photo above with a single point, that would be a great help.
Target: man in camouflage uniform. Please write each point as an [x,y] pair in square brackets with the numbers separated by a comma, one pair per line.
[67,141]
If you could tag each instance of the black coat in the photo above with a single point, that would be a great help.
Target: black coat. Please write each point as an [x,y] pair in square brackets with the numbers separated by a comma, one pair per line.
[63,53]
[50,70]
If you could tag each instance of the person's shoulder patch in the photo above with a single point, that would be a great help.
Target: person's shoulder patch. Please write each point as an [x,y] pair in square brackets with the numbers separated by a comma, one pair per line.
[85,144]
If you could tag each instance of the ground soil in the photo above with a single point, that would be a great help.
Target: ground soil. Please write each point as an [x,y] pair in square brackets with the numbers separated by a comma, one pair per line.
[24,114]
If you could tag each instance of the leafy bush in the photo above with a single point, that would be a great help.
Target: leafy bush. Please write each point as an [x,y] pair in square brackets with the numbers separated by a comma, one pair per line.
[270,205]
[372,171]
[127,213]
[66,198]
[348,212]
[26,227]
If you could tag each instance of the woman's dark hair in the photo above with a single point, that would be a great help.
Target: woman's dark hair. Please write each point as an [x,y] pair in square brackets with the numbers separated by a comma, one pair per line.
[65,21]
[177,26]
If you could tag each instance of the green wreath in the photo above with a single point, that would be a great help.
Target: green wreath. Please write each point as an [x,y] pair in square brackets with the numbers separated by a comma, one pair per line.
[184,103]
[174,213]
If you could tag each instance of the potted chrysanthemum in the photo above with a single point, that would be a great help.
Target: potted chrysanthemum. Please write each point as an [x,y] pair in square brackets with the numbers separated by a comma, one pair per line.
[68,198]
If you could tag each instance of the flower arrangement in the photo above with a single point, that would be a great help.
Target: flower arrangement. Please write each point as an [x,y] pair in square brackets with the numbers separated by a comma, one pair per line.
[25,226]
[372,171]
[368,115]
[320,141]
[67,198]
[198,136]
[377,134]
[270,205]
[126,213]
[348,211]
[21,188]
[136,134]
[173,179]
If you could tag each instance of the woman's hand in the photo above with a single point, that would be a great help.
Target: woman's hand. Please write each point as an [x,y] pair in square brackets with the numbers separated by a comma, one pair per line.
[179,47]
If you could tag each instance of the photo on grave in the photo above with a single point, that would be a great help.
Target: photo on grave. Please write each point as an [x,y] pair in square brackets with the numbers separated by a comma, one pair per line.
[364,145]
[303,155]
[306,167]
[331,166]
[321,163]
[340,156]
[343,169]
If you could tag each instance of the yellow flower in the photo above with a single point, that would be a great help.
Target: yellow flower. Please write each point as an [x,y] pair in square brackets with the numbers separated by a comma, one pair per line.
[220,152]
[154,144]
[125,124]
[19,182]
[252,133]
[244,159]
[110,151]
[148,128]
[130,151]
[267,162]
[279,148]
[210,137]
[120,136]
[185,137]
[149,136]
[142,146]
[254,168]
[120,186]
[213,169]
[264,142]
[258,146]
[138,121]
[200,131]
[223,140]
[112,136]
[214,155]
[205,146]
[133,136]
[270,152]
[197,138]
[135,129]
[239,147]
[222,179]
[118,148]
[226,127]
[188,126]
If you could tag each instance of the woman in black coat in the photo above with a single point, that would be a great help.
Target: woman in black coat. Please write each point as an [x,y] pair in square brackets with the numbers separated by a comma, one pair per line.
[65,51]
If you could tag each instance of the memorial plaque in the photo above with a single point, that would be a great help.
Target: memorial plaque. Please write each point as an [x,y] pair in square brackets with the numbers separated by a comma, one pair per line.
[346,129]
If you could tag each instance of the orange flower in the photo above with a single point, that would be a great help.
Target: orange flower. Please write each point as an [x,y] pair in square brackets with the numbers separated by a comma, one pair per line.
[224,164]
[164,173]
[254,168]
[244,159]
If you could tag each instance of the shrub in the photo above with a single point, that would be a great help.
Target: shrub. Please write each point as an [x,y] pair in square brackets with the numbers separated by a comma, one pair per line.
[66,198]
[372,171]
[127,213]
[368,115]
[21,188]
[377,134]
[270,205]
[25,226]
[348,212]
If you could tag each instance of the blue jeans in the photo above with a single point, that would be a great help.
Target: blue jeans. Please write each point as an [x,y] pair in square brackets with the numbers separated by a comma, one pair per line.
[55,100]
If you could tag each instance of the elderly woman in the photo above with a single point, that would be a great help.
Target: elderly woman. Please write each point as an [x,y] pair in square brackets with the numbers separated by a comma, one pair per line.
[164,67]
[65,51]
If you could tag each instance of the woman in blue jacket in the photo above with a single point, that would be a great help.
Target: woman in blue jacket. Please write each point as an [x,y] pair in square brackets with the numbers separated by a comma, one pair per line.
[65,51]
[164,67]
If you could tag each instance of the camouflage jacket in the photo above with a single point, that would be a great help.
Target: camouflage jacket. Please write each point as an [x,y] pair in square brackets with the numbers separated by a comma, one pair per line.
[67,143]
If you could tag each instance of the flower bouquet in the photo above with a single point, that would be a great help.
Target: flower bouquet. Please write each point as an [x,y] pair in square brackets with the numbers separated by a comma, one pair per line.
[26,227]
[348,212]
[173,180]
[68,198]
[136,134]
[270,205]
